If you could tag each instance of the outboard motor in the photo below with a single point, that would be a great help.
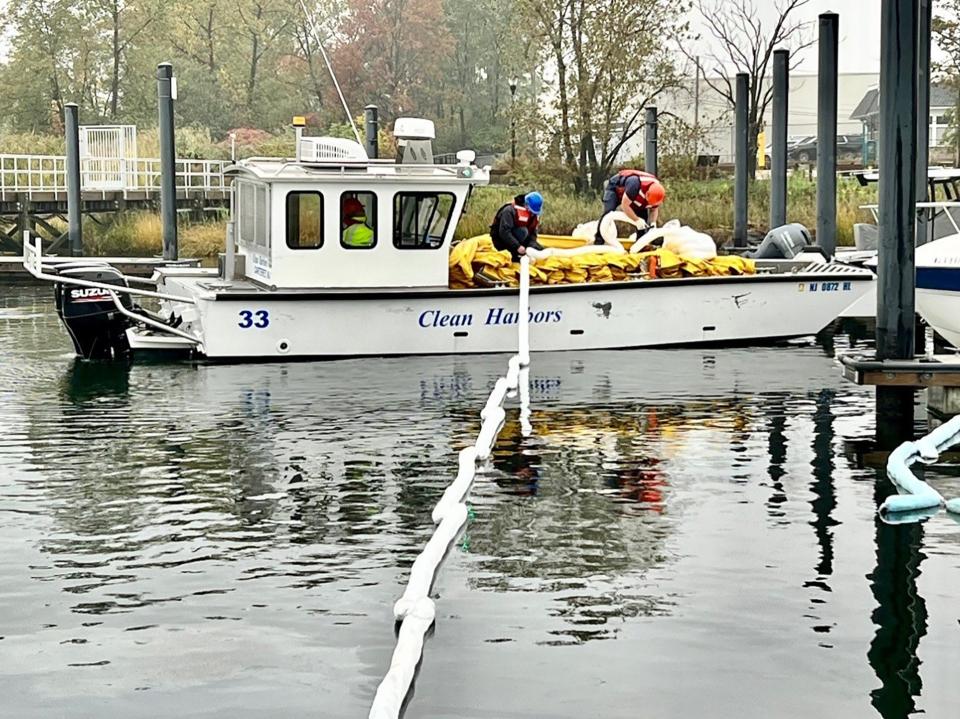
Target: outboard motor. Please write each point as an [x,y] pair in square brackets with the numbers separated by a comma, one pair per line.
[97,328]
[784,242]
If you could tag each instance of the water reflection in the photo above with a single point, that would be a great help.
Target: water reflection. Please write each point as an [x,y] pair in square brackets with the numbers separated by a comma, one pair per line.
[84,381]
[662,497]
[776,415]
[518,461]
[900,614]
[824,501]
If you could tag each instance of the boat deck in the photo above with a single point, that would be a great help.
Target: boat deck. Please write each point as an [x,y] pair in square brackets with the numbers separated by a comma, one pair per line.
[206,282]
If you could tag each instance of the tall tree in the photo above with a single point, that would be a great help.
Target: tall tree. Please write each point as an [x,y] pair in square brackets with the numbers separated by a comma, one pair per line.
[608,59]
[489,48]
[742,42]
[123,22]
[260,26]
[393,51]
[946,31]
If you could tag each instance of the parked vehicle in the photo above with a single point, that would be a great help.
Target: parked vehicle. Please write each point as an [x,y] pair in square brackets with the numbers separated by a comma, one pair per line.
[849,149]
[792,140]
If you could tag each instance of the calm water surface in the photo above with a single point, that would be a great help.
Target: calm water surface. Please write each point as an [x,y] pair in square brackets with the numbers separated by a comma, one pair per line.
[687,534]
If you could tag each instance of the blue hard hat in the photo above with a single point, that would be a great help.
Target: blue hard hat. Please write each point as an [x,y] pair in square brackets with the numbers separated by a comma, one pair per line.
[534,202]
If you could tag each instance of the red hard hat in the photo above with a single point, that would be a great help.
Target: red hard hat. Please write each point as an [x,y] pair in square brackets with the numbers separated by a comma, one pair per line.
[655,194]
[352,207]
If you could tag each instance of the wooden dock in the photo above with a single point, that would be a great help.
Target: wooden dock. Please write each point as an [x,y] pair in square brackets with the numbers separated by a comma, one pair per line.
[33,193]
[921,372]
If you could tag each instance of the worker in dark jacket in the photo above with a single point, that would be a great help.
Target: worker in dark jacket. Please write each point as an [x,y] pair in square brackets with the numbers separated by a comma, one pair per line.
[636,193]
[515,226]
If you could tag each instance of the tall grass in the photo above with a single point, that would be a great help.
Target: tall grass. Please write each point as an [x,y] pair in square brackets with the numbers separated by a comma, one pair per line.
[704,205]
[140,234]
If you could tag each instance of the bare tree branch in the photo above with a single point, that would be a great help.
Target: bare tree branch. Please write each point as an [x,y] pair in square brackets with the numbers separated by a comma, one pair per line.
[743,44]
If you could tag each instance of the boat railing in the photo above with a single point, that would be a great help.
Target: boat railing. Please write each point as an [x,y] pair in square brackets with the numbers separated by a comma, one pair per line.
[47,174]
[934,206]
[916,498]
[37,265]
[415,610]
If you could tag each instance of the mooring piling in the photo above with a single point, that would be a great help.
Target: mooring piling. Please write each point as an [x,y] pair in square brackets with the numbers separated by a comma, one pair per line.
[827,46]
[372,130]
[896,279]
[650,141]
[741,161]
[71,129]
[778,152]
[166,94]
[924,217]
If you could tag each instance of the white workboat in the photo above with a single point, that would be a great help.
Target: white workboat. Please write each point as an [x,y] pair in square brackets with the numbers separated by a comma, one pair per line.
[293,284]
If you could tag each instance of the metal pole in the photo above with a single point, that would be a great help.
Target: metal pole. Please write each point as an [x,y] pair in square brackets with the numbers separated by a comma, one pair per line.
[741,162]
[696,110]
[896,279]
[230,255]
[71,124]
[166,94]
[371,118]
[827,133]
[513,122]
[778,153]
[924,223]
[650,141]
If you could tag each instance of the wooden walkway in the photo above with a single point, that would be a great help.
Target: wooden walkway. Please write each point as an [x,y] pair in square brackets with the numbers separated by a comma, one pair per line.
[33,194]
[937,371]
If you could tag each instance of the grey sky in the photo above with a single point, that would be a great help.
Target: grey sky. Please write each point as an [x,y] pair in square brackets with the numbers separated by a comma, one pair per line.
[859,32]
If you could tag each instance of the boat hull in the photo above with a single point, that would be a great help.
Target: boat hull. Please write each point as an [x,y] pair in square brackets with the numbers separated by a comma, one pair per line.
[938,286]
[689,311]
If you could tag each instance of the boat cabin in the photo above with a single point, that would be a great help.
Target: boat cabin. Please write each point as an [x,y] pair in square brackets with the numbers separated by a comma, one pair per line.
[334,218]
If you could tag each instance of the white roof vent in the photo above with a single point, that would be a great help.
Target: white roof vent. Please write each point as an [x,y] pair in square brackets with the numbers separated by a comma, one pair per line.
[414,128]
[415,137]
[325,149]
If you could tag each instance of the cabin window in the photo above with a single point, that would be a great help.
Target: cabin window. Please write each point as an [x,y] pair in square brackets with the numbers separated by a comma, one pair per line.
[420,219]
[358,220]
[304,220]
[253,214]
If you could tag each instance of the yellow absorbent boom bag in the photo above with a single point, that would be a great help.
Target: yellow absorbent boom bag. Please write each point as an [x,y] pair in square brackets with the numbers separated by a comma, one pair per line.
[475,262]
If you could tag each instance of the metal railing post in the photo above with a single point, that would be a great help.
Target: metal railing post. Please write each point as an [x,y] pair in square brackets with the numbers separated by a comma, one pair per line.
[778,151]
[896,268]
[71,125]
[924,218]
[741,164]
[370,114]
[827,133]
[650,141]
[166,94]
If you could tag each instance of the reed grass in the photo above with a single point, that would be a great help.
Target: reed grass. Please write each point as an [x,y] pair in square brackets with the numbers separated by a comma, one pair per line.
[140,234]
[704,205]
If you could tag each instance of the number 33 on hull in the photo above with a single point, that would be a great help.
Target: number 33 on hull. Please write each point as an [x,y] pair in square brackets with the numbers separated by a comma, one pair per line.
[333,254]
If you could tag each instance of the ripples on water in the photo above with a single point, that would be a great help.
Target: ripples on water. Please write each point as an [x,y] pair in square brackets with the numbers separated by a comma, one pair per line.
[684,535]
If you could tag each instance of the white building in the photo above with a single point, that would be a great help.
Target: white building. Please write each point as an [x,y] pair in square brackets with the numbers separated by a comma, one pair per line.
[715,114]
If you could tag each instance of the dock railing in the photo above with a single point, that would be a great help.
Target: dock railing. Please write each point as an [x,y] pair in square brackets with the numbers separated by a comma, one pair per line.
[415,610]
[46,174]
[917,499]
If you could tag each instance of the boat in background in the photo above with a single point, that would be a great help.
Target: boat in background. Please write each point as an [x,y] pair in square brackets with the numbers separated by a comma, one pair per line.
[938,286]
[942,207]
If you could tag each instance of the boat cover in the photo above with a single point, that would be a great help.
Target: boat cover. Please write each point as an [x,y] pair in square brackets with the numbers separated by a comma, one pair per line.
[477,256]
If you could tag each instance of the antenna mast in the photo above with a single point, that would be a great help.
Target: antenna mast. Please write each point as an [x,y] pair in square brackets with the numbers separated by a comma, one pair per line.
[336,84]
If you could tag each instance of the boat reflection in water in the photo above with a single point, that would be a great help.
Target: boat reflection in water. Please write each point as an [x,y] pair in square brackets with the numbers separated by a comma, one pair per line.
[168,523]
